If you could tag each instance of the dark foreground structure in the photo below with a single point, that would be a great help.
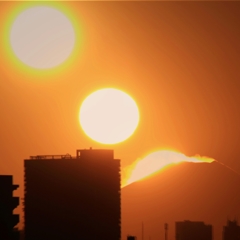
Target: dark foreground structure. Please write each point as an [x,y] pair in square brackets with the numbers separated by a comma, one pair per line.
[188,230]
[231,231]
[73,198]
[8,203]
[130,237]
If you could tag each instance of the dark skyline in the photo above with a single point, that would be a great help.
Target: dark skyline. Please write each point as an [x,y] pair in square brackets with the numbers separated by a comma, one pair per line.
[53,169]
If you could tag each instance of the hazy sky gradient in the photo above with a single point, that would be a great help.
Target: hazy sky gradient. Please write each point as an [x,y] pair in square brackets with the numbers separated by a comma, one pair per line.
[178,60]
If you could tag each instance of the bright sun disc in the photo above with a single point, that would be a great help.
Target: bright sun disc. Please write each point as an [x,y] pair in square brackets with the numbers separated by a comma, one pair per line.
[109,116]
[42,37]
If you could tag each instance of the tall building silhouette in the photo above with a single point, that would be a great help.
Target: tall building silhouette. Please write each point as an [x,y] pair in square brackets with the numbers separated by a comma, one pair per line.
[231,231]
[188,230]
[8,203]
[73,197]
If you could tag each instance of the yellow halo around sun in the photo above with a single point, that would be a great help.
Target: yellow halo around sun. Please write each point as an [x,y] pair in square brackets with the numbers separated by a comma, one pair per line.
[42,38]
[109,116]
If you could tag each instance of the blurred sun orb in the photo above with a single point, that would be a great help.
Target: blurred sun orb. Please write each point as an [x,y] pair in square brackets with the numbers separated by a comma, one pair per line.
[109,116]
[42,37]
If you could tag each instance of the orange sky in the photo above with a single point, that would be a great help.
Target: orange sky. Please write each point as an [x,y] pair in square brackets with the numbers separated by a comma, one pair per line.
[178,60]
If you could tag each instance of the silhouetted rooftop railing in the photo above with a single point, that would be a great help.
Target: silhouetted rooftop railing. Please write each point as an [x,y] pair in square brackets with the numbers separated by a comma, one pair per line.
[66,156]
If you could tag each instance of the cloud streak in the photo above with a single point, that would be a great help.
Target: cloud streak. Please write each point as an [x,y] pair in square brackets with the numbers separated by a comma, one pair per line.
[155,162]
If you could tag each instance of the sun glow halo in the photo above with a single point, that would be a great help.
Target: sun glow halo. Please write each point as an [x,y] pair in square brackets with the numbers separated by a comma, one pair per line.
[42,37]
[109,116]
[49,67]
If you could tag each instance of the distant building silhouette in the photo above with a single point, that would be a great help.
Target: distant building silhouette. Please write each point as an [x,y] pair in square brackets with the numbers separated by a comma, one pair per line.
[8,203]
[166,231]
[73,198]
[231,231]
[130,237]
[188,230]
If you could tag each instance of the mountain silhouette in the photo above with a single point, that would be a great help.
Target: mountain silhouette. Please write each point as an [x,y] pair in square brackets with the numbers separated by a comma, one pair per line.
[206,192]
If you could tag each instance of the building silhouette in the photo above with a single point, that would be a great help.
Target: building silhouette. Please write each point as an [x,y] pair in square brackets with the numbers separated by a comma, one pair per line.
[73,197]
[188,230]
[166,231]
[231,231]
[8,203]
[130,237]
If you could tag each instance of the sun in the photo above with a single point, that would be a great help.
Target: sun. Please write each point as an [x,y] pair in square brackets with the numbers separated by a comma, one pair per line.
[109,116]
[42,37]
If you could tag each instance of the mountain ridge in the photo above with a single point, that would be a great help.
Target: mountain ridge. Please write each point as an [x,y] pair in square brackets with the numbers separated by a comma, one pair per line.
[206,192]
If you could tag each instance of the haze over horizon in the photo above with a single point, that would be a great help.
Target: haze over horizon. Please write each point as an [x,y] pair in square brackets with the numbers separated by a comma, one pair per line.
[178,61]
